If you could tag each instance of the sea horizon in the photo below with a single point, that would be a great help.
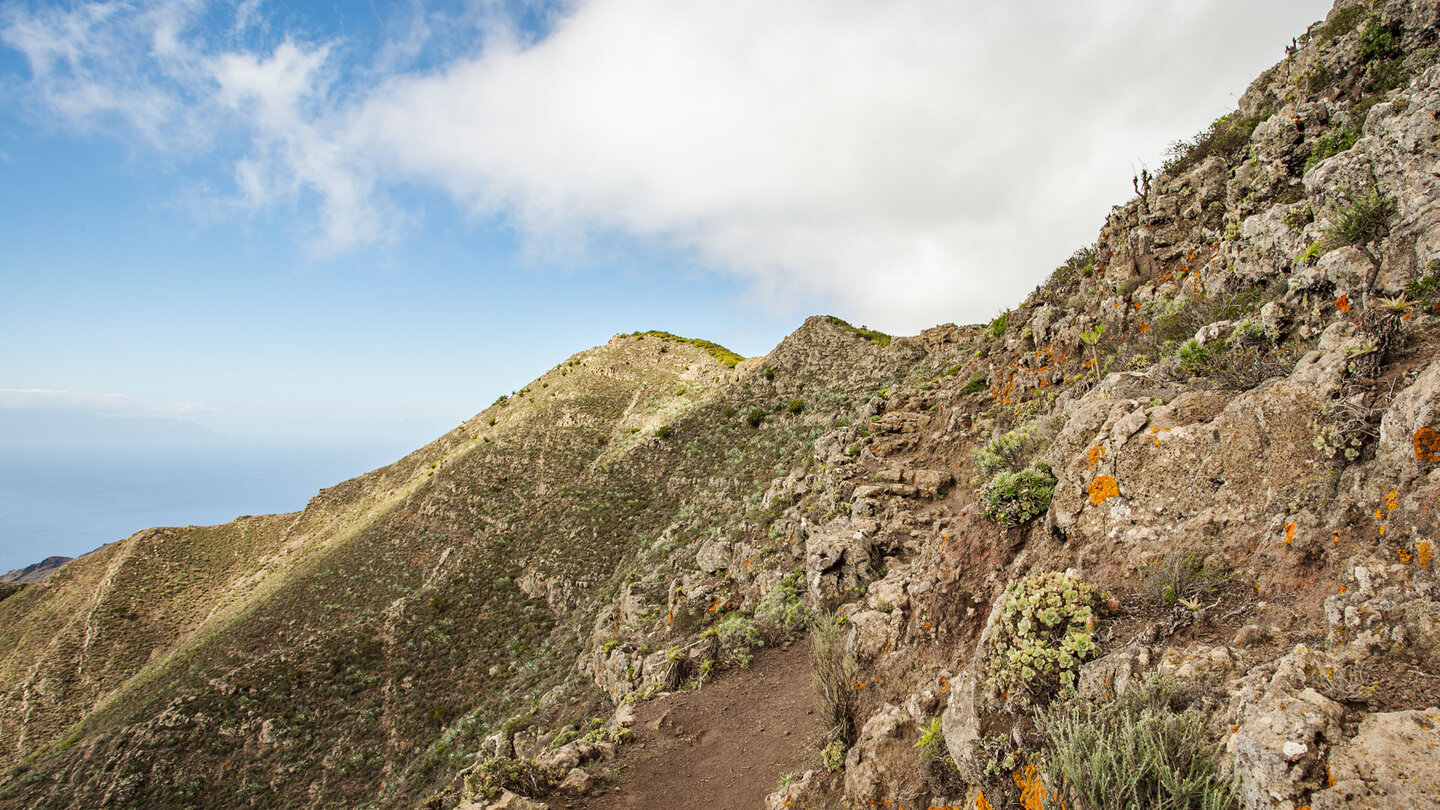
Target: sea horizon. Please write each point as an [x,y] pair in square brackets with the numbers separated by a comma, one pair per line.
[68,498]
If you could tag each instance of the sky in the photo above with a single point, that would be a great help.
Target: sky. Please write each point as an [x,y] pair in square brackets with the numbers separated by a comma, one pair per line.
[363,221]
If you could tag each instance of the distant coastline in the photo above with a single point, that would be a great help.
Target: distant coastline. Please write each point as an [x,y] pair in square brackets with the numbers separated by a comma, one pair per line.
[67,498]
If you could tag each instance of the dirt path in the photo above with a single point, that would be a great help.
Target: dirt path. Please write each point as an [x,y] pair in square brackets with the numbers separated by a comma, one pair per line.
[723,747]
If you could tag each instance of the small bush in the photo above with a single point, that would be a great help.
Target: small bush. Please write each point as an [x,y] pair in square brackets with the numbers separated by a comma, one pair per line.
[1146,748]
[834,680]
[1363,222]
[1227,137]
[755,416]
[1331,144]
[795,406]
[1046,630]
[998,326]
[1015,498]
[1193,357]
[1008,451]
[1181,575]
[522,776]
[974,385]
[781,610]
[1425,290]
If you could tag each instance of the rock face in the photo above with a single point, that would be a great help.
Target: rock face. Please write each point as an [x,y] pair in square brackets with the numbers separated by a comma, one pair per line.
[1238,408]
[1390,762]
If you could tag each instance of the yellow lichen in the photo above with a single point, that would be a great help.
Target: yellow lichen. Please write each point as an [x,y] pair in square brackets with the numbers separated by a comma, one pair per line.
[1427,445]
[1102,489]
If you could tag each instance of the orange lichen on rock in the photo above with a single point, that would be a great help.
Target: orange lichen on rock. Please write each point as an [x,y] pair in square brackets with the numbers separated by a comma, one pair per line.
[1427,445]
[1290,533]
[1095,454]
[1032,790]
[1343,303]
[1102,489]
[1424,554]
[980,803]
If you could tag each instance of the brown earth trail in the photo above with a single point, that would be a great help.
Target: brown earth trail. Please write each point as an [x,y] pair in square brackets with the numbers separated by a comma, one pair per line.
[724,747]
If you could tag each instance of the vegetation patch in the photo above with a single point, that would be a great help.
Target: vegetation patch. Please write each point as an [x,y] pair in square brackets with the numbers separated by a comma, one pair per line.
[1146,748]
[834,681]
[726,357]
[878,338]
[522,776]
[1015,491]
[1227,136]
[1013,498]
[1046,630]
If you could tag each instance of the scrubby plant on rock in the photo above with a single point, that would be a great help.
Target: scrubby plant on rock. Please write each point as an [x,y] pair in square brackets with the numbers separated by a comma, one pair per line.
[1045,631]
[1145,748]
[1015,498]
[523,776]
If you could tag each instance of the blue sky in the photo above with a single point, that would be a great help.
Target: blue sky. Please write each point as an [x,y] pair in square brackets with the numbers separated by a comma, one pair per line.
[351,221]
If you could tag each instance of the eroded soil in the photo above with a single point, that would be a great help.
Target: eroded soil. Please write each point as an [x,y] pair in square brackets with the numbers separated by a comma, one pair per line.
[724,747]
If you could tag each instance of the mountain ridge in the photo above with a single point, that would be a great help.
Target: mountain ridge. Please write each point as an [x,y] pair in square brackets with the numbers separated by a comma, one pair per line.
[1201,457]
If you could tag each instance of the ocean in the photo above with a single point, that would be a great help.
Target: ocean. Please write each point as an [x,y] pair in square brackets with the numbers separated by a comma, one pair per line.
[70,498]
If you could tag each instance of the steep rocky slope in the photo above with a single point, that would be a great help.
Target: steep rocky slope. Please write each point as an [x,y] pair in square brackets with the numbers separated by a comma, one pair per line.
[1189,484]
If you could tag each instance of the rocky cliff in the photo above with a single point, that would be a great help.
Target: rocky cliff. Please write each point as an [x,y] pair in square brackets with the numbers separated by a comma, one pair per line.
[1164,532]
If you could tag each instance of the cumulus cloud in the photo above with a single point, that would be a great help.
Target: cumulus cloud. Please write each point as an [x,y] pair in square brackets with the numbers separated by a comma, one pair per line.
[41,400]
[911,161]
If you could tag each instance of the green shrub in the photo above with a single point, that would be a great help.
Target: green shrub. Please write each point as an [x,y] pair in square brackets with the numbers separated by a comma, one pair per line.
[832,756]
[1227,137]
[1363,222]
[998,326]
[1342,22]
[974,385]
[755,416]
[1015,498]
[663,432]
[1146,748]
[1008,451]
[781,610]
[1193,357]
[1331,144]
[522,776]
[1379,43]
[1046,629]
[1425,290]
[795,406]
[932,741]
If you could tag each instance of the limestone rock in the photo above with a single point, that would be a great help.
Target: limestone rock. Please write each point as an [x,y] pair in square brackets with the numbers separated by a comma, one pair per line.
[878,762]
[576,783]
[1393,761]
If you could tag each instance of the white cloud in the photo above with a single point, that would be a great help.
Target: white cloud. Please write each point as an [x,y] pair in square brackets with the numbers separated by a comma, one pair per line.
[37,399]
[914,161]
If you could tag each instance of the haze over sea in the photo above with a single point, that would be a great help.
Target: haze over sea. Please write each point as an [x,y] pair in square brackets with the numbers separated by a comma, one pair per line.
[68,498]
